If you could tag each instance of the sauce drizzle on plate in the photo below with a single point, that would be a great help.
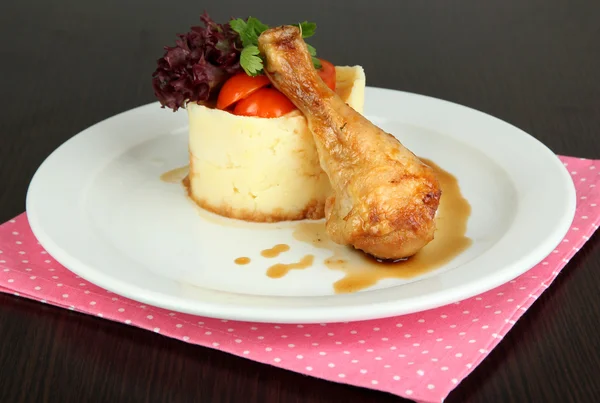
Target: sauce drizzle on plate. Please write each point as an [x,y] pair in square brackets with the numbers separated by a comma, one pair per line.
[242,260]
[175,175]
[275,250]
[281,269]
[362,271]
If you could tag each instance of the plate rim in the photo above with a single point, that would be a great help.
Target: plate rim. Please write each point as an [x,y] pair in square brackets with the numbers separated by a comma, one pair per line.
[303,314]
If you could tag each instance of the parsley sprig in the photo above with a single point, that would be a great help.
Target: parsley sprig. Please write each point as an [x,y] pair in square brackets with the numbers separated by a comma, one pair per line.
[249,31]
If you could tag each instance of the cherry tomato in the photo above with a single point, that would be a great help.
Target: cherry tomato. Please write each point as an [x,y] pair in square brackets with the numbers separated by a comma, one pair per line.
[264,103]
[327,73]
[238,87]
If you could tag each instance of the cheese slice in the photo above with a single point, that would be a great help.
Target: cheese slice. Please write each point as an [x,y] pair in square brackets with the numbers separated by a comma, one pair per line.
[260,169]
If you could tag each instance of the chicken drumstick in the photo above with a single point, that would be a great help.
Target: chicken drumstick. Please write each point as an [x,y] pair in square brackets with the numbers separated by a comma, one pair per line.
[385,198]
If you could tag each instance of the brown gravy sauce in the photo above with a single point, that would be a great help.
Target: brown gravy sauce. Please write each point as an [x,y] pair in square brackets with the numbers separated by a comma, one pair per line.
[242,260]
[362,271]
[175,175]
[281,269]
[275,250]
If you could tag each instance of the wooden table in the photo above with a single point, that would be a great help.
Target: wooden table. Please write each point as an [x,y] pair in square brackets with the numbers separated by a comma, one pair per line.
[68,64]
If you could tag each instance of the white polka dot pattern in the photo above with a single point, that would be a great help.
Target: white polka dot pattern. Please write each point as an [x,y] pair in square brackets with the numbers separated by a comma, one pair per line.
[420,356]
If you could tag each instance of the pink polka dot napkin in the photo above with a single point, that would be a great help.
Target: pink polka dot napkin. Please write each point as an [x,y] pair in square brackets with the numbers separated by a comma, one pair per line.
[421,356]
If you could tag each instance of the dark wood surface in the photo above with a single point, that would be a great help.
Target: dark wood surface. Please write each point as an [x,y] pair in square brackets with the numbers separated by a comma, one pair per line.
[67,64]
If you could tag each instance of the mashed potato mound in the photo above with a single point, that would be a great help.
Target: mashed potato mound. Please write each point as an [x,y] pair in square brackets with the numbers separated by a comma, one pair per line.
[258,169]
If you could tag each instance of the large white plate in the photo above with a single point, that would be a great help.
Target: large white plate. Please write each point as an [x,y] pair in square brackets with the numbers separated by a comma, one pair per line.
[96,204]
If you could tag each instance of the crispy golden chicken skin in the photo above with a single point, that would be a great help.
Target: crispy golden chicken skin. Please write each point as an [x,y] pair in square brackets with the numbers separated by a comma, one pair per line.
[385,198]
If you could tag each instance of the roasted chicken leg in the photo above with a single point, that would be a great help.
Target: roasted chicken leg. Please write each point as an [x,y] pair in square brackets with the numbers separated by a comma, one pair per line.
[385,198]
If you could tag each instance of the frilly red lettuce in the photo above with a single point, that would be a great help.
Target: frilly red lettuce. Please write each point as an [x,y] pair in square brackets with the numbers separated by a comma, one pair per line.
[199,63]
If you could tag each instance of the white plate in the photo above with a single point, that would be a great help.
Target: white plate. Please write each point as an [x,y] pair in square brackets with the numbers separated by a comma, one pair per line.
[97,205]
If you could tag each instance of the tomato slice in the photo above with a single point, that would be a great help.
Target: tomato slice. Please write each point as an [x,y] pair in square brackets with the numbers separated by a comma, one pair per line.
[327,73]
[238,87]
[264,103]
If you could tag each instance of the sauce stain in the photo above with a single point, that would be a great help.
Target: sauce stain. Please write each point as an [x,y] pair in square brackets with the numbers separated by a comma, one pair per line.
[176,175]
[242,260]
[362,271]
[281,269]
[275,250]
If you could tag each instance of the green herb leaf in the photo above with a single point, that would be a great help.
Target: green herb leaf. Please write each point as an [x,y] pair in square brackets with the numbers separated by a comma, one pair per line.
[258,26]
[250,30]
[246,33]
[251,61]
[313,53]
[307,28]
[238,25]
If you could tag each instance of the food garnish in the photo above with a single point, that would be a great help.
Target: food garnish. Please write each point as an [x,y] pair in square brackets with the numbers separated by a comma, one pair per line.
[249,32]
[221,62]
[198,65]
[264,103]
[238,87]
